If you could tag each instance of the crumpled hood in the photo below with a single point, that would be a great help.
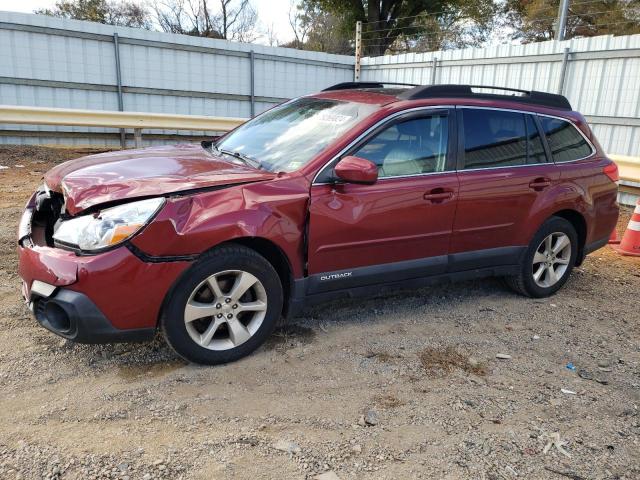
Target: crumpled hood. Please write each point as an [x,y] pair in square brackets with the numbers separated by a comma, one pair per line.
[113,176]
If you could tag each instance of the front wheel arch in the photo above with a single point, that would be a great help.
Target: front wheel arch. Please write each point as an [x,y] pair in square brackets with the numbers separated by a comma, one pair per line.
[227,258]
[276,257]
[264,247]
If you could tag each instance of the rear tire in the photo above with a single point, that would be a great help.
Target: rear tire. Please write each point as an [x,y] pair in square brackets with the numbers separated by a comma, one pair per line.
[548,261]
[223,307]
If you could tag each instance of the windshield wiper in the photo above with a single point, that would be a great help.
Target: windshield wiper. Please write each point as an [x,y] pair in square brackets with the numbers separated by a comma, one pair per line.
[241,156]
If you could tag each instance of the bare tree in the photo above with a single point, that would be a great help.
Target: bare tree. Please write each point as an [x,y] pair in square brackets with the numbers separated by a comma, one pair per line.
[172,16]
[237,20]
[232,20]
[299,25]
[271,36]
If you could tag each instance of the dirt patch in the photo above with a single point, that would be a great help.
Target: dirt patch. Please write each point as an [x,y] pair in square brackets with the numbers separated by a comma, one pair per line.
[343,388]
[24,155]
[439,360]
[384,357]
[291,335]
[388,400]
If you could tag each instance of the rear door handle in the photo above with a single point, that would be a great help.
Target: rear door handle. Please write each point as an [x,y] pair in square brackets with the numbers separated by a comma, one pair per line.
[540,184]
[438,195]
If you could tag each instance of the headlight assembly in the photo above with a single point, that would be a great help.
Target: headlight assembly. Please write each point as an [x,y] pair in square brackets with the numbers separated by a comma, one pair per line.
[108,227]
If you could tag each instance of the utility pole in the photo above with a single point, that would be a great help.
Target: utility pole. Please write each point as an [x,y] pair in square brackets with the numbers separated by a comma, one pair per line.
[561,26]
[116,45]
[356,71]
[434,66]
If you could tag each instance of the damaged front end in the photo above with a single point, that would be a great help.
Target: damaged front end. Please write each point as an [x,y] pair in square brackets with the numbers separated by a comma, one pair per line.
[43,211]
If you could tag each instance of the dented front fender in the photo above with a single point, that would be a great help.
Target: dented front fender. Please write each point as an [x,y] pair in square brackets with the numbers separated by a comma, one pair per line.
[192,224]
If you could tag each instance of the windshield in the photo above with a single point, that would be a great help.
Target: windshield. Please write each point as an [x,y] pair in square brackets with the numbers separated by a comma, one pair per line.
[287,137]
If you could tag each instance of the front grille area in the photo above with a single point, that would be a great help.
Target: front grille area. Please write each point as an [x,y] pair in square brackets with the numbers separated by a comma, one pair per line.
[39,305]
[48,209]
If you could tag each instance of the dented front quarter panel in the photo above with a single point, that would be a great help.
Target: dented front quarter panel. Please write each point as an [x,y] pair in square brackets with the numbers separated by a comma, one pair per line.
[192,224]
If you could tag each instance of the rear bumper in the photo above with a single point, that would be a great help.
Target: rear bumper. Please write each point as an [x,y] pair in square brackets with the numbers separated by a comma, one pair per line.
[74,316]
[597,245]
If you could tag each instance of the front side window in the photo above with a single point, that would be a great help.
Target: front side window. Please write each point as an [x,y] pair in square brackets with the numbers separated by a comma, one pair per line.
[287,137]
[496,138]
[565,142]
[410,147]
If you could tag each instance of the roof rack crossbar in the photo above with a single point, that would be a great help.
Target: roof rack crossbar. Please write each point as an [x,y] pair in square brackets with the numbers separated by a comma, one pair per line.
[465,91]
[354,85]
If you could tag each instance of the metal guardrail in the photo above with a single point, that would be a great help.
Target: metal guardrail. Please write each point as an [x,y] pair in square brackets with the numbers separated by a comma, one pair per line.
[629,167]
[102,118]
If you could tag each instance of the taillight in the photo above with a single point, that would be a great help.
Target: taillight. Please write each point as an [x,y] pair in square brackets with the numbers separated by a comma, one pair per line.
[611,171]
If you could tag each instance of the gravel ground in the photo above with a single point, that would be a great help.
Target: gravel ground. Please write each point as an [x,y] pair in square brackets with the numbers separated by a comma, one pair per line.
[398,386]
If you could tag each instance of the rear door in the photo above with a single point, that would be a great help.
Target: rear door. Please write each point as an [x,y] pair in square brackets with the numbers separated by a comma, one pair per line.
[399,227]
[503,170]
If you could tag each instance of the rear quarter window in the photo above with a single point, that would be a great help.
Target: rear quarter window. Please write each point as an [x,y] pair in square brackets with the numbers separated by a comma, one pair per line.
[565,142]
[500,138]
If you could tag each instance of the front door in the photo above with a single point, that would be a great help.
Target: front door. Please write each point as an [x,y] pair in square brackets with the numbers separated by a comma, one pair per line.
[397,228]
[503,172]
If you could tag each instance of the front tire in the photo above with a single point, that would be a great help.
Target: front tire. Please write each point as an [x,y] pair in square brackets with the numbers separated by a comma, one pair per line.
[548,261]
[223,307]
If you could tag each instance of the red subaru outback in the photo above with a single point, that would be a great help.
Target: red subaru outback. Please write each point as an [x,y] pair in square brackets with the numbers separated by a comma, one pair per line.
[355,190]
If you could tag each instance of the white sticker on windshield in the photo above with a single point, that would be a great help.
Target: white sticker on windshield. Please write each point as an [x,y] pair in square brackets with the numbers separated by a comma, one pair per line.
[333,118]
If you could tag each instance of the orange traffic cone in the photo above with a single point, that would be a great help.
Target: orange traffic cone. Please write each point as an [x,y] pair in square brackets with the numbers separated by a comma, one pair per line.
[613,238]
[630,244]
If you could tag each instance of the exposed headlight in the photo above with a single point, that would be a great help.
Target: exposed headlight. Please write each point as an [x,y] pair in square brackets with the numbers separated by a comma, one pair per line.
[108,227]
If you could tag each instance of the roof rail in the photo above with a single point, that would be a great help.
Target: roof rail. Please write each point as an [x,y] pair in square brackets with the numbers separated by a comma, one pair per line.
[465,91]
[354,85]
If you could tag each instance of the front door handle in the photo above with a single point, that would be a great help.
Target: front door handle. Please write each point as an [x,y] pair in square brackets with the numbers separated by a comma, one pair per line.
[438,195]
[540,184]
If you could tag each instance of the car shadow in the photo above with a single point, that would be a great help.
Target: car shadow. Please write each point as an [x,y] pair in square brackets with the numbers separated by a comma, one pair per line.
[156,357]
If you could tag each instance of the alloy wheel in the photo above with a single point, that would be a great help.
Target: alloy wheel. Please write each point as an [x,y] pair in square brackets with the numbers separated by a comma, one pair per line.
[551,259]
[225,310]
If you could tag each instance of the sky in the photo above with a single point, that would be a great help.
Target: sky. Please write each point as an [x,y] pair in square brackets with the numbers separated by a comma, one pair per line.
[270,12]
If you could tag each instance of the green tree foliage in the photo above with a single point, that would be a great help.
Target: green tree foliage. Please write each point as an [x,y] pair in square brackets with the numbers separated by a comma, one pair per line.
[408,25]
[535,20]
[319,29]
[123,13]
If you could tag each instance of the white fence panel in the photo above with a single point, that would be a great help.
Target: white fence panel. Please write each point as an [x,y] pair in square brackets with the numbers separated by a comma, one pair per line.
[602,78]
[51,62]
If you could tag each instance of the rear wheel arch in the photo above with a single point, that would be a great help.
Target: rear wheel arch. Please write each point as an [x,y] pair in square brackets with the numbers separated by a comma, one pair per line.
[548,260]
[580,225]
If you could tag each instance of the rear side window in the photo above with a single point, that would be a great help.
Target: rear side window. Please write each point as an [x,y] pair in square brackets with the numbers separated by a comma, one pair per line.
[565,142]
[495,138]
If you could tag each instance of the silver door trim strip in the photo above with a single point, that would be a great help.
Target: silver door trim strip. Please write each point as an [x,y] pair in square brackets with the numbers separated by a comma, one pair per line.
[437,107]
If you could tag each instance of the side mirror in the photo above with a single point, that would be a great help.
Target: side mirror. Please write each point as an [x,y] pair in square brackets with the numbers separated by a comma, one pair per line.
[356,170]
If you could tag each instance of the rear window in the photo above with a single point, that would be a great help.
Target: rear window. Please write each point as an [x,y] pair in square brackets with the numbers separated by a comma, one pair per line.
[497,138]
[565,142]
